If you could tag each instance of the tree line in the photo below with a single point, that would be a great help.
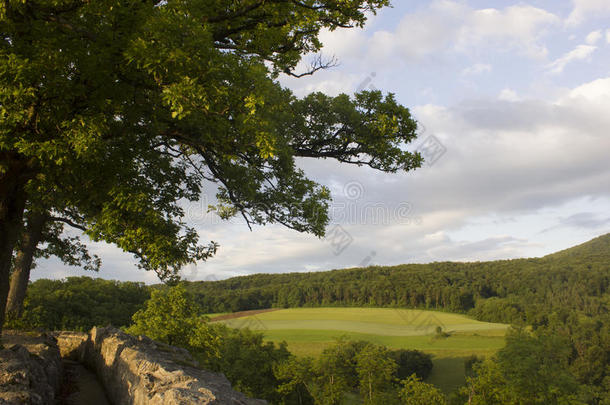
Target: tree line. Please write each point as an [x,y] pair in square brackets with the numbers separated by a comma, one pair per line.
[507,291]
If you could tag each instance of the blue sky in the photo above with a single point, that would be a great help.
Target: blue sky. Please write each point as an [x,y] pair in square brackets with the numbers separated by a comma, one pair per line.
[517,94]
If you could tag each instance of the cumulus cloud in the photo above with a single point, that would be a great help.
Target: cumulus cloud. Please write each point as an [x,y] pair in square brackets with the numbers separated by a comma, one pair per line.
[514,165]
[519,27]
[586,8]
[505,159]
[593,94]
[581,52]
[488,248]
[593,37]
[448,25]
[538,150]
[343,43]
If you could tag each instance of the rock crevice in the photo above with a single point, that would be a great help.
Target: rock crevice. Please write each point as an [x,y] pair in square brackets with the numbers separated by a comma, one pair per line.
[133,371]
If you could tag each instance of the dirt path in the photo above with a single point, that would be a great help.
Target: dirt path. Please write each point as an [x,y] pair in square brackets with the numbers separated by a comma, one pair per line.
[242,314]
[80,386]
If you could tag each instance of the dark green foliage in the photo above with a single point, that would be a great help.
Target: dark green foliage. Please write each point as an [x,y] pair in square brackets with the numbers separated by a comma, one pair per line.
[416,392]
[171,316]
[505,310]
[343,368]
[537,367]
[248,362]
[469,364]
[500,291]
[532,369]
[297,383]
[80,303]
[411,362]
[375,368]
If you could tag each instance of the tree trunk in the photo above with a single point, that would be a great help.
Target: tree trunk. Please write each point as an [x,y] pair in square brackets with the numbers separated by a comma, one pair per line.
[23,263]
[13,178]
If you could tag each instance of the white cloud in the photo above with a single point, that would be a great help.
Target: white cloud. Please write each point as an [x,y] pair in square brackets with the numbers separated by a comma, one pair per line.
[581,52]
[505,161]
[593,37]
[519,27]
[343,43]
[608,36]
[508,95]
[585,8]
[420,34]
[450,26]
[596,92]
[477,68]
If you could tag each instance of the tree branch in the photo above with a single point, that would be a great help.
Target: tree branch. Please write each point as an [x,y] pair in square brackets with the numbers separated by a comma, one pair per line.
[317,64]
[68,222]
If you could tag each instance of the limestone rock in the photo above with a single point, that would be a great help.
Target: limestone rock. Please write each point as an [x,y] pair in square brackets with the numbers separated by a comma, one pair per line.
[133,371]
[72,345]
[140,371]
[30,371]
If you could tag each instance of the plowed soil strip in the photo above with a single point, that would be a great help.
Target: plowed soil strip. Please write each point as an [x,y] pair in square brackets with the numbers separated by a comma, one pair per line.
[241,314]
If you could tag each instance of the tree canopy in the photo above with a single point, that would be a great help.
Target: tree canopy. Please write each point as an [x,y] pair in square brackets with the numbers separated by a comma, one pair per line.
[115,112]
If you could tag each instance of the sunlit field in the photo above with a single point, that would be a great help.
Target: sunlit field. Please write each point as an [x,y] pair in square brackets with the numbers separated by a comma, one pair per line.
[307,331]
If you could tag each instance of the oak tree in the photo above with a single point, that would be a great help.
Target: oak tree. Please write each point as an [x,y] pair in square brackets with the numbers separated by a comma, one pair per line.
[102,93]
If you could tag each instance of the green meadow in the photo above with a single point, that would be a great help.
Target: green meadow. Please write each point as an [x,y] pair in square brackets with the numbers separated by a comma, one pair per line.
[307,331]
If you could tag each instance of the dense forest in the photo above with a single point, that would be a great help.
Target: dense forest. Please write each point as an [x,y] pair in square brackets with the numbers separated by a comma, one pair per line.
[80,303]
[558,353]
[509,291]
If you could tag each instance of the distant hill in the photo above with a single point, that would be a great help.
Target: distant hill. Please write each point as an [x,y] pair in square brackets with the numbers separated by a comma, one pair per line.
[597,247]
[496,291]
[506,291]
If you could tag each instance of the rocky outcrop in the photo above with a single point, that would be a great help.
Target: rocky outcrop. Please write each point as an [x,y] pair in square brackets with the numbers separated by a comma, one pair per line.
[30,369]
[138,371]
[133,371]
[72,345]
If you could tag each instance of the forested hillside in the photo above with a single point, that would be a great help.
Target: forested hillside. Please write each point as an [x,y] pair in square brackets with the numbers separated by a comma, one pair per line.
[511,291]
[563,299]
[497,291]
[599,246]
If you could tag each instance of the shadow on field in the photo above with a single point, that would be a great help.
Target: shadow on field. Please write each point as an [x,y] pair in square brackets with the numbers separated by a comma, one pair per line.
[448,373]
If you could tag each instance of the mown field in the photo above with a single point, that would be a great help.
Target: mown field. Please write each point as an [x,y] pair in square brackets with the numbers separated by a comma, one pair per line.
[309,330]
